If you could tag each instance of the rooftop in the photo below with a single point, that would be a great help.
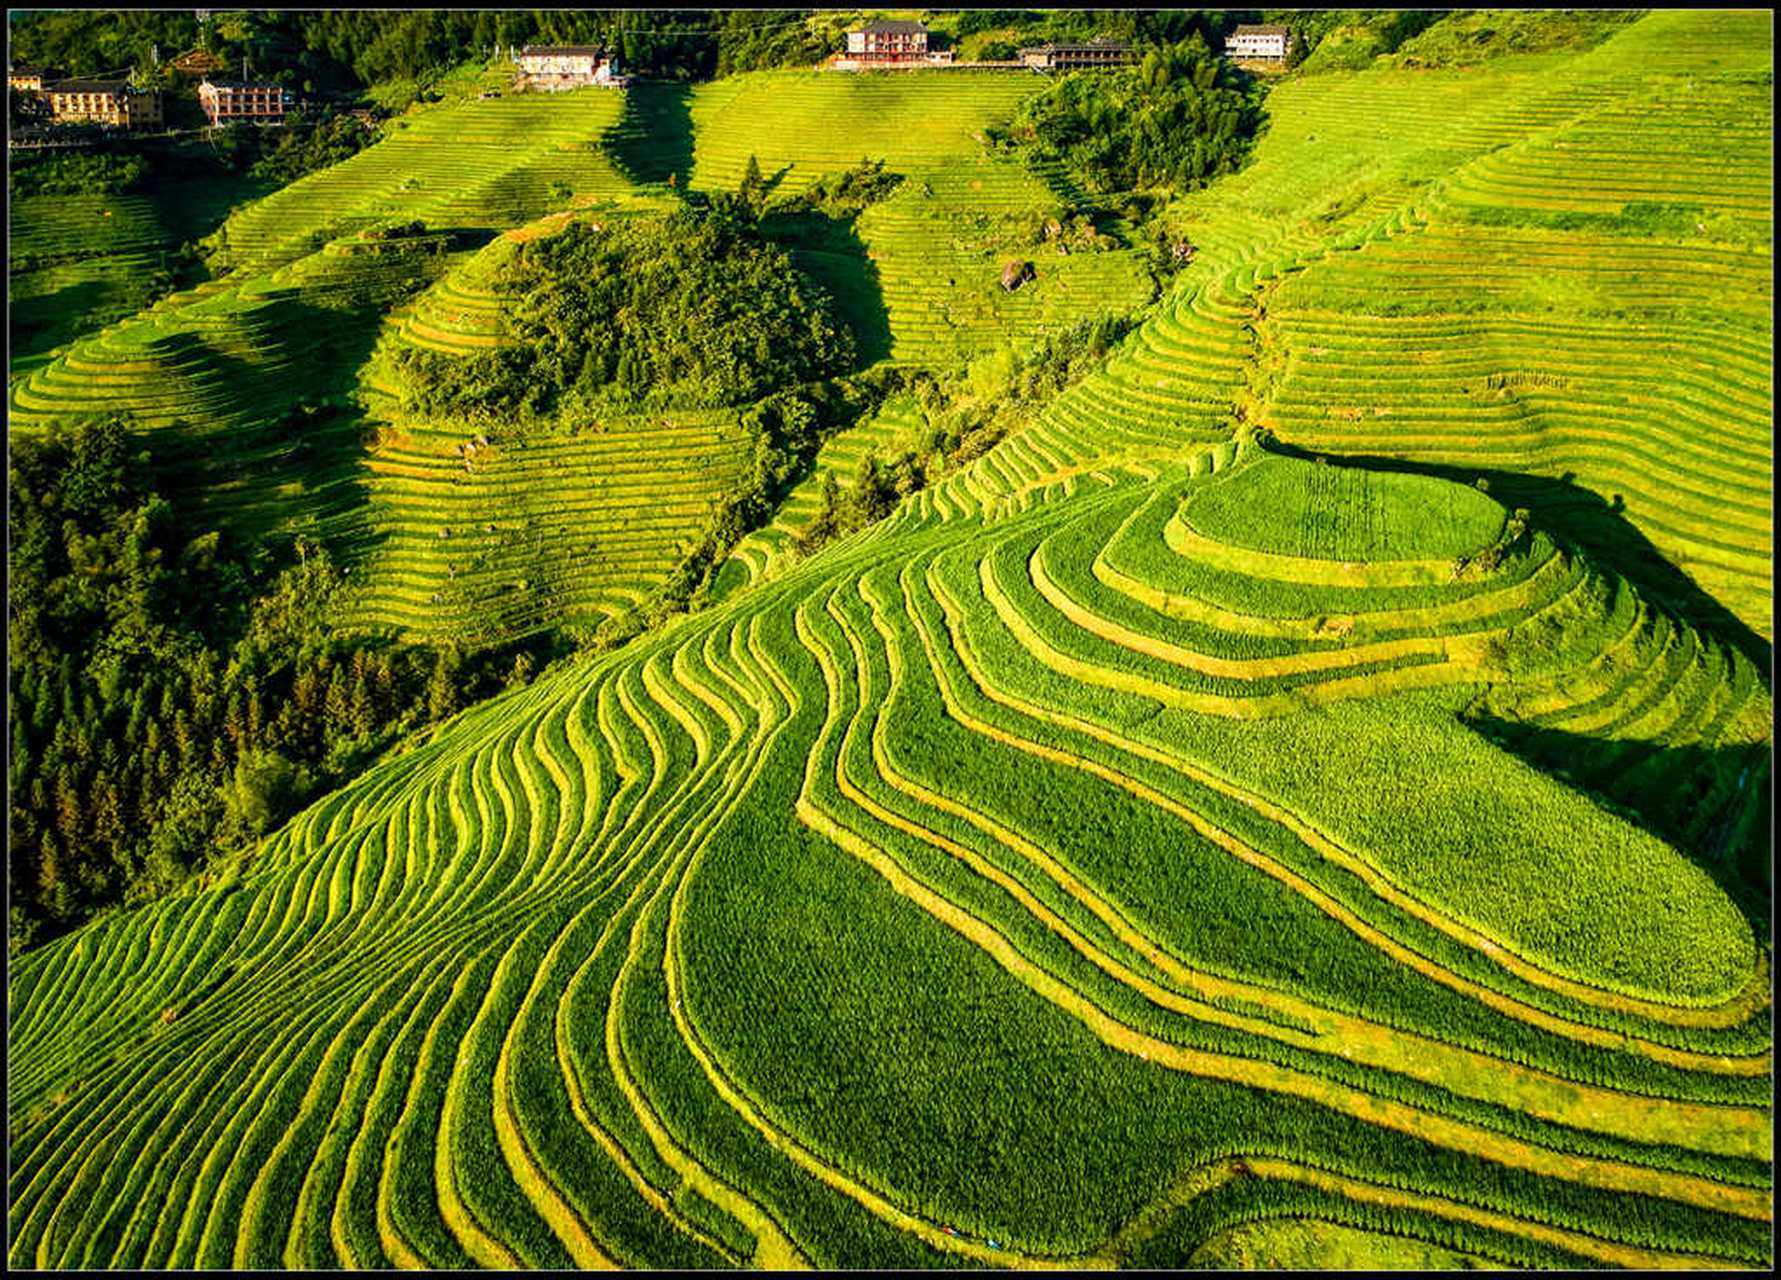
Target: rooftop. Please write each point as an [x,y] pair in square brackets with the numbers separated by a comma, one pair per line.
[894,27]
[1100,44]
[91,86]
[1268,29]
[266,85]
[562,51]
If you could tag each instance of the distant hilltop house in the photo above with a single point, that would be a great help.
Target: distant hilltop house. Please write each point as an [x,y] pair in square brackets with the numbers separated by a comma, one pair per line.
[253,101]
[891,42]
[109,102]
[1258,44]
[1102,51]
[552,68]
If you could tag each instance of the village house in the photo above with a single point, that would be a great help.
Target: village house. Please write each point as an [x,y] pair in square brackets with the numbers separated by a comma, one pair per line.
[888,41]
[1102,51]
[256,102]
[1250,43]
[31,78]
[108,102]
[552,68]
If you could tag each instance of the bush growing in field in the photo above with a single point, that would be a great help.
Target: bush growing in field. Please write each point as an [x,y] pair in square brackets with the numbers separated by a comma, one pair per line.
[848,192]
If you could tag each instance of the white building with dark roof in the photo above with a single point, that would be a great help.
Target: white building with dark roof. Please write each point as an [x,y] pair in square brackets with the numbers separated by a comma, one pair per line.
[1102,51]
[1258,43]
[554,67]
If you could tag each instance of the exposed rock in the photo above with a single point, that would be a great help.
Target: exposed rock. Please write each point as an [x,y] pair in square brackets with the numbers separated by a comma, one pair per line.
[1015,274]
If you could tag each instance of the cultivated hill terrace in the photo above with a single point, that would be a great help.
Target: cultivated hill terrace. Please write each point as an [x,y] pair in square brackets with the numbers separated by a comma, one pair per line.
[1313,775]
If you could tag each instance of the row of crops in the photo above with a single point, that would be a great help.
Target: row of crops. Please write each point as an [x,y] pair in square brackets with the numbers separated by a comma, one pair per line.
[939,245]
[1087,861]
[483,165]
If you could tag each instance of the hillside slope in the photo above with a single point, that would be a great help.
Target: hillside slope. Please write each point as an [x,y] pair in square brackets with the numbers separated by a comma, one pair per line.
[1111,848]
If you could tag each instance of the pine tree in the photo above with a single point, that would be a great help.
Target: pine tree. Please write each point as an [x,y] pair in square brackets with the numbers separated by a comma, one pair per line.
[442,687]
[754,186]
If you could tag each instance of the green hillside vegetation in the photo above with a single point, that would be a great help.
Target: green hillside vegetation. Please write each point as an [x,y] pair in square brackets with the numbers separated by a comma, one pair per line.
[681,308]
[1262,763]
[1177,119]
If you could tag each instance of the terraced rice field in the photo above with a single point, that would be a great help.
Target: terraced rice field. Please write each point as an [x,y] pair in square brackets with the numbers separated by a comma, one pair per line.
[934,251]
[1095,862]
[800,126]
[935,248]
[78,263]
[479,165]
[588,1079]
[525,535]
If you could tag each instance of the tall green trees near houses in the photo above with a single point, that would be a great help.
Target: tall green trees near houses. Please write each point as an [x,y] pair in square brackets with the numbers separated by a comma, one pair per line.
[690,307]
[1177,119]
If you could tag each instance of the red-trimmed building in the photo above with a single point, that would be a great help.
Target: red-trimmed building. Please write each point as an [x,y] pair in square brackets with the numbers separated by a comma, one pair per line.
[888,42]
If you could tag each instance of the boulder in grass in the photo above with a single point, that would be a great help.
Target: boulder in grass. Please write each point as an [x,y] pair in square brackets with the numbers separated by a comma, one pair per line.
[1015,274]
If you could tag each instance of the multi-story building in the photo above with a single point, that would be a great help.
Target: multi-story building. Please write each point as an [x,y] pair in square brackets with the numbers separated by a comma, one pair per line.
[568,66]
[31,78]
[1102,51]
[888,41]
[107,102]
[1258,43]
[257,102]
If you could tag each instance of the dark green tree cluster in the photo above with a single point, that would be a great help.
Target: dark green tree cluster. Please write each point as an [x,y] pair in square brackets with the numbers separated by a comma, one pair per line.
[690,307]
[75,173]
[172,698]
[760,39]
[284,155]
[1178,119]
[850,192]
